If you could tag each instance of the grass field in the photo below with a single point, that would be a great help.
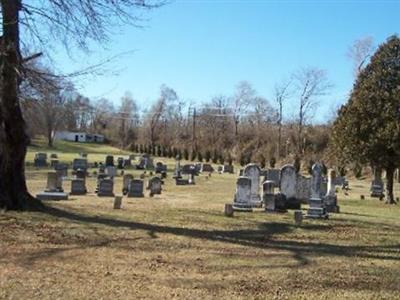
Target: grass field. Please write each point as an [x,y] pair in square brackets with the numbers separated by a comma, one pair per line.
[180,245]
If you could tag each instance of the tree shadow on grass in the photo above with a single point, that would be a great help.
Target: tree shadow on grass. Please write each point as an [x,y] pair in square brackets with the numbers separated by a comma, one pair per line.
[262,238]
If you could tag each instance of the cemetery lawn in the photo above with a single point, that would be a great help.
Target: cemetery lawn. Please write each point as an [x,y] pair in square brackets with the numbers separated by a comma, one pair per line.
[180,245]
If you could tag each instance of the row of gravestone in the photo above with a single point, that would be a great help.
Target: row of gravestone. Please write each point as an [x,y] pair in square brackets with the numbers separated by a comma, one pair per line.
[294,189]
[105,186]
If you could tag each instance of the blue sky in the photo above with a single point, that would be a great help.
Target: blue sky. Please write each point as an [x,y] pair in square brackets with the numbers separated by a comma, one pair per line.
[204,48]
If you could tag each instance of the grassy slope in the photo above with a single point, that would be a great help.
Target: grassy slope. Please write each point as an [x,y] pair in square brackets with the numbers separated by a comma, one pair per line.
[179,245]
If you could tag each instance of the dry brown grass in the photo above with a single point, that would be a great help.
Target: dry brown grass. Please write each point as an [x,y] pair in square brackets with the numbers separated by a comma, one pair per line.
[180,245]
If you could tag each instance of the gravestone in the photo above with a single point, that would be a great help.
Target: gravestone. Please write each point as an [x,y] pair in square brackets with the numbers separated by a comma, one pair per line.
[317,208]
[54,182]
[303,188]
[135,189]
[298,217]
[127,163]
[145,163]
[377,185]
[61,169]
[40,160]
[160,167]
[207,168]
[273,175]
[242,199]
[155,186]
[54,162]
[80,163]
[229,211]
[78,187]
[189,169]
[125,183]
[106,188]
[288,184]
[117,202]
[240,172]
[53,155]
[111,171]
[269,195]
[120,163]
[178,171]
[52,196]
[253,172]
[330,197]
[220,169]
[228,169]
[54,190]
[102,169]
[109,162]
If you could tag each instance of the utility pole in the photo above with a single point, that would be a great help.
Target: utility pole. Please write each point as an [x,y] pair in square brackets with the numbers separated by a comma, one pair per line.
[194,142]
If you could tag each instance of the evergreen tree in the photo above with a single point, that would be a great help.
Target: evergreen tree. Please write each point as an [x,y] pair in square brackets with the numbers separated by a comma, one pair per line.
[367,129]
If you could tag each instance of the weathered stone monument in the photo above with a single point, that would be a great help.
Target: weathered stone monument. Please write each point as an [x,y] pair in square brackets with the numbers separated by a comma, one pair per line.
[117,202]
[109,162]
[54,182]
[317,208]
[145,163]
[160,167]
[177,171]
[135,189]
[229,211]
[303,188]
[61,169]
[288,186]
[253,172]
[155,186]
[80,163]
[120,163]
[78,187]
[273,175]
[54,189]
[330,197]
[228,169]
[269,195]
[111,171]
[207,168]
[106,188]
[298,217]
[242,199]
[40,160]
[126,180]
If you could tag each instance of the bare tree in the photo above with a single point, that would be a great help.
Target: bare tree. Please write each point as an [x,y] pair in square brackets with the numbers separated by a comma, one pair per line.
[77,22]
[282,93]
[359,52]
[311,83]
[128,114]
[241,101]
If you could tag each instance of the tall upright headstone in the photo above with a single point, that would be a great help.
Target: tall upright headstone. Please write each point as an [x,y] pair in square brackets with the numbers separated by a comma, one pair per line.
[377,185]
[125,183]
[253,172]
[54,182]
[242,200]
[330,197]
[288,184]
[317,208]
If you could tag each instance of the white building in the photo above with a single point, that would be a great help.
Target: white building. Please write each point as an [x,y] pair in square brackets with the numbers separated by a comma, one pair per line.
[81,137]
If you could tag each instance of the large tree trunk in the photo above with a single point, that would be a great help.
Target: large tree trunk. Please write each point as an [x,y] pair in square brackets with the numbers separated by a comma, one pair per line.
[389,185]
[13,138]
